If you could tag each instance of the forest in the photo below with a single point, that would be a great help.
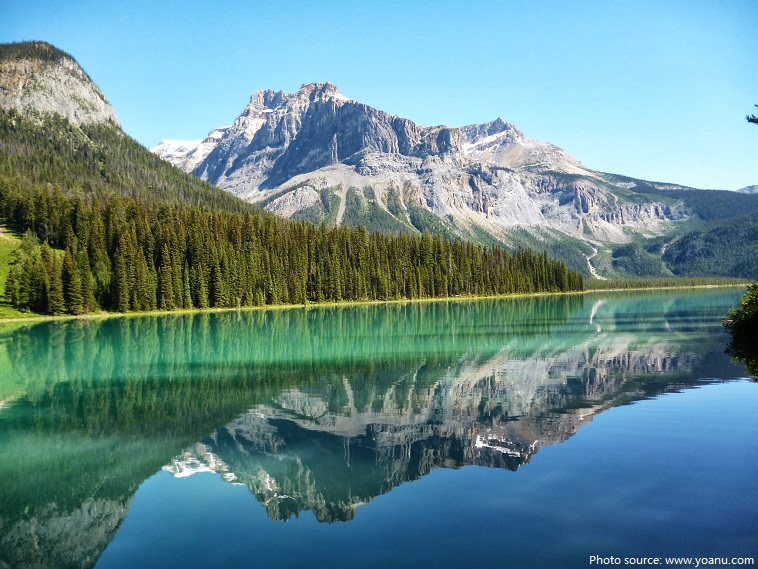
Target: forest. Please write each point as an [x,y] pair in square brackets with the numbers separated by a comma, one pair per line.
[108,226]
[123,254]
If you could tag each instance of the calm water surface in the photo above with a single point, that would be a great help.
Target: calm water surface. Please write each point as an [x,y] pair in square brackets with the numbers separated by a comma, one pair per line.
[530,432]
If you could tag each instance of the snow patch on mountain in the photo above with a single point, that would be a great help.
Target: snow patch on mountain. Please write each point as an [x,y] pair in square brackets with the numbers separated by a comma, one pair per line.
[187,154]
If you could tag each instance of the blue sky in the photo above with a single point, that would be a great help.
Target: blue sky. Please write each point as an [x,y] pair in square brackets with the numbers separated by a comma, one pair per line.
[657,90]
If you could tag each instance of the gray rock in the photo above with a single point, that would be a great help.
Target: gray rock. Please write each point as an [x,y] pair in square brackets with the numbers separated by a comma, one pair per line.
[43,80]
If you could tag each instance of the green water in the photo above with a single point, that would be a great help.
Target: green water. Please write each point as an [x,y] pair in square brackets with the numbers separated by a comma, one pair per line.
[326,417]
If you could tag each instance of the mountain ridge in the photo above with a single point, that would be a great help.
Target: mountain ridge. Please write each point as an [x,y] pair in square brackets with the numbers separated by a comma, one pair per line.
[487,177]
[320,156]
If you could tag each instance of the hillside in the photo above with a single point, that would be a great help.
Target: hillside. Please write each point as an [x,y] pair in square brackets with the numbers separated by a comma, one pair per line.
[724,248]
[95,159]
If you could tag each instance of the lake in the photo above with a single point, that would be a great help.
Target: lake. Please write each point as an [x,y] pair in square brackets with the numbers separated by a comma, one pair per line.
[526,432]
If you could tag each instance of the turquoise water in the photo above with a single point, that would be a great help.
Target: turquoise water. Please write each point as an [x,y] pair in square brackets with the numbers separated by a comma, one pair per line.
[530,432]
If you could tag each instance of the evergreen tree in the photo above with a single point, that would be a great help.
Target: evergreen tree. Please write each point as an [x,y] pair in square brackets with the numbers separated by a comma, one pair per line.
[120,287]
[165,281]
[72,285]
[187,291]
[12,288]
[56,303]
[87,282]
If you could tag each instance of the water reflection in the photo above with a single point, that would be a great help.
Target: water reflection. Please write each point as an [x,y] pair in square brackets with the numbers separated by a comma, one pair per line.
[320,409]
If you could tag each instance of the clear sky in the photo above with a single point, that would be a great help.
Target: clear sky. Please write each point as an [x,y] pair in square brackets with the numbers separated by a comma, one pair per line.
[653,89]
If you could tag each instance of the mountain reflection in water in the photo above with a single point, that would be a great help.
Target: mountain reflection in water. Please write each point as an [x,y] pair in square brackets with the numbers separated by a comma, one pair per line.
[317,409]
[333,446]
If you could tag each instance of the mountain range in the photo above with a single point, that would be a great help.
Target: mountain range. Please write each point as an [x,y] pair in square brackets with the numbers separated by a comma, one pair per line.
[319,156]
[285,151]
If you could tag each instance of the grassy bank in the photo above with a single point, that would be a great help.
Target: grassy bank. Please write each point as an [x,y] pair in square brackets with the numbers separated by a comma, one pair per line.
[9,242]
[8,315]
[662,282]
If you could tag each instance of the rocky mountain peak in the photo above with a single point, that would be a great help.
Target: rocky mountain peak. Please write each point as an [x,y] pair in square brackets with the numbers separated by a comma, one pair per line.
[266,100]
[38,78]
[319,91]
[478,132]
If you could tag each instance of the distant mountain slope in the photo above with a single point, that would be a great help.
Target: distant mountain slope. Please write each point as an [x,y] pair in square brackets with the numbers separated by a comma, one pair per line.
[318,155]
[725,248]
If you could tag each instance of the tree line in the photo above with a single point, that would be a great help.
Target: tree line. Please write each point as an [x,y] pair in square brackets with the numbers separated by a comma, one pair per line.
[122,254]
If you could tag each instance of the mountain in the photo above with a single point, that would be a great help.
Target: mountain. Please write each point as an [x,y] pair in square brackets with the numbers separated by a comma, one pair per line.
[57,129]
[285,150]
[749,189]
[38,79]
[320,156]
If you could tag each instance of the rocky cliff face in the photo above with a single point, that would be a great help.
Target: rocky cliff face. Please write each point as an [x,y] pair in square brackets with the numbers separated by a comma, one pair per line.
[280,136]
[37,78]
[295,153]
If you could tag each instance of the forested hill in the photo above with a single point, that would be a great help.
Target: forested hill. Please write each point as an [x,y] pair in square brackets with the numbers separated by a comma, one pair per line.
[107,225]
[96,159]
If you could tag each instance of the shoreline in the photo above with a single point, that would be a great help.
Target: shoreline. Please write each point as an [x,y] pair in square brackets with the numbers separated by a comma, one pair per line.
[37,318]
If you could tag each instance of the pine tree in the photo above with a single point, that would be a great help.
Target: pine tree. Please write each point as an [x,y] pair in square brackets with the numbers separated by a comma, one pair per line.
[85,275]
[72,285]
[219,296]
[201,288]
[120,281]
[187,298]
[56,303]
[12,288]
[165,281]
